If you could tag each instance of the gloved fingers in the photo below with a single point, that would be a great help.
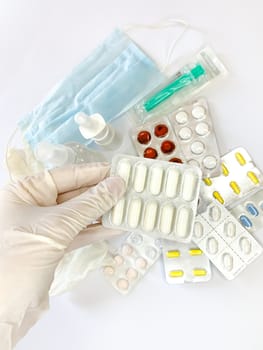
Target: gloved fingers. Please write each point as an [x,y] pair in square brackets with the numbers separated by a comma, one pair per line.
[66,220]
[73,177]
[63,197]
[93,233]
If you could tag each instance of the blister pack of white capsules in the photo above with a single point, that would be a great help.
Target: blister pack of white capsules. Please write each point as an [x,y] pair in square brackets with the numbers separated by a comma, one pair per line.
[125,267]
[224,240]
[185,263]
[161,198]
[249,212]
[239,177]
[188,81]
[184,135]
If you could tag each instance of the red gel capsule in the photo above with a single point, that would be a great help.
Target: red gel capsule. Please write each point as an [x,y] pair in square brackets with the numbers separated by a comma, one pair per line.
[176,160]
[167,147]
[144,137]
[160,130]
[150,153]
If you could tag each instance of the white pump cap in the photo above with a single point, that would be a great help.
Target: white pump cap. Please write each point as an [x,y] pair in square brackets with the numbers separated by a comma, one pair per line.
[54,155]
[90,126]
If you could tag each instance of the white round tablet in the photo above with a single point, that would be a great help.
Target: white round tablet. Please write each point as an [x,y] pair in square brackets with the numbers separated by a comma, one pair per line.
[141,263]
[127,249]
[210,162]
[185,133]
[131,274]
[197,147]
[198,112]
[181,117]
[202,129]
[118,259]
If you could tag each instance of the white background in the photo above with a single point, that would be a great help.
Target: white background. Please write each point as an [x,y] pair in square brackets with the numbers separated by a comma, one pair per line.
[40,41]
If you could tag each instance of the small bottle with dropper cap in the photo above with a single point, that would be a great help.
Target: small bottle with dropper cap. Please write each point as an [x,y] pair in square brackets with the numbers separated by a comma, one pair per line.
[95,128]
[57,155]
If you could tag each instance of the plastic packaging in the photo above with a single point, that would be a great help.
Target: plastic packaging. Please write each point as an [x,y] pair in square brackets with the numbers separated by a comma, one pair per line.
[185,134]
[54,155]
[224,240]
[94,127]
[125,267]
[239,177]
[185,263]
[249,212]
[161,198]
[189,80]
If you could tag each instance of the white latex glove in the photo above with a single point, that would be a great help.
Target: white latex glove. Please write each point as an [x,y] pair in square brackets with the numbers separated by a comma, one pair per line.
[35,232]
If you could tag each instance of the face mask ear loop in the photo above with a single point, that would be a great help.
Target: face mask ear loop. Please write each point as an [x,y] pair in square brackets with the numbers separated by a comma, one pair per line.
[168,23]
[11,138]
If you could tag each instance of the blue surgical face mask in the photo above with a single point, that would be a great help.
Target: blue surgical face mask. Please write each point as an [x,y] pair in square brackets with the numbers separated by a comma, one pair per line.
[110,81]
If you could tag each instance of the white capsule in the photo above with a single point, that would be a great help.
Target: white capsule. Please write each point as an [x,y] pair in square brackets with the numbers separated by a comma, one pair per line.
[150,214]
[172,181]
[156,179]
[118,212]
[230,229]
[245,245]
[134,212]
[212,245]
[198,229]
[124,170]
[189,186]
[215,213]
[183,222]
[227,260]
[167,216]
[140,177]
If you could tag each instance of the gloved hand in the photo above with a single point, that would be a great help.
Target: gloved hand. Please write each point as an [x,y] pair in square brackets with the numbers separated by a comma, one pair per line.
[35,232]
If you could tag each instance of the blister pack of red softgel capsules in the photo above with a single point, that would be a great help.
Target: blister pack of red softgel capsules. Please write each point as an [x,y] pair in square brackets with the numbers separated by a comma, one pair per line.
[185,134]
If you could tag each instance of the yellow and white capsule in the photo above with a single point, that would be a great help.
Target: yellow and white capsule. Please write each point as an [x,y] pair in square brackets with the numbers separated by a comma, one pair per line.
[171,254]
[199,272]
[195,251]
[253,177]
[218,197]
[207,181]
[235,187]
[176,273]
[239,157]
[225,170]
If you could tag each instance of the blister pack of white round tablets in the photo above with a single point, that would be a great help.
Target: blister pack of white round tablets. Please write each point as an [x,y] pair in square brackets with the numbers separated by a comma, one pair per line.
[224,240]
[249,212]
[185,263]
[157,140]
[194,129]
[125,267]
[239,177]
[161,198]
[183,135]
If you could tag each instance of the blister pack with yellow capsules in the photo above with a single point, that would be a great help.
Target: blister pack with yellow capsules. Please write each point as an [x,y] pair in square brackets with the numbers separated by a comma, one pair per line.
[185,263]
[239,177]
[201,70]
[161,198]
[224,240]
[249,211]
[125,267]
[184,135]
